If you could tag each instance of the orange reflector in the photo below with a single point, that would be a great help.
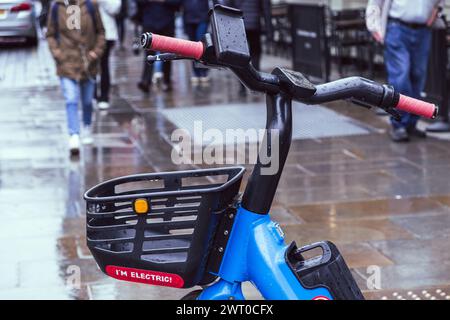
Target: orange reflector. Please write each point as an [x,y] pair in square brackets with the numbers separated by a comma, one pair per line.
[141,206]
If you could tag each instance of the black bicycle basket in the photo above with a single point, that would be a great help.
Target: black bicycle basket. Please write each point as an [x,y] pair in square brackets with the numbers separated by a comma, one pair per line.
[159,228]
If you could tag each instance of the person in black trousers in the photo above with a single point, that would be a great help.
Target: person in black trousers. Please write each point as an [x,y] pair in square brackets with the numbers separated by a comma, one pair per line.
[108,11]
[120,21]
[157,16]
[44,13]
[196,20]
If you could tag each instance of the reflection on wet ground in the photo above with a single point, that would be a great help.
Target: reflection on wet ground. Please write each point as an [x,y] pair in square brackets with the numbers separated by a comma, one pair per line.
[383,204]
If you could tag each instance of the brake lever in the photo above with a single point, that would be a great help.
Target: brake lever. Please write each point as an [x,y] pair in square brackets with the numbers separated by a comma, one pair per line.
[171,57]
[361,103]
[394,113]
[164,57]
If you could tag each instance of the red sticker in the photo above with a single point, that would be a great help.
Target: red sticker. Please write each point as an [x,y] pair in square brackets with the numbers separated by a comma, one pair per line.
[321,298]
[145,276]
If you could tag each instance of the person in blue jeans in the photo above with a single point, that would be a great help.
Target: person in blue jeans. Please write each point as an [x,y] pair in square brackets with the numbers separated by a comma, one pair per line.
[74,91]
[196,18]
[76,49]
[404,27]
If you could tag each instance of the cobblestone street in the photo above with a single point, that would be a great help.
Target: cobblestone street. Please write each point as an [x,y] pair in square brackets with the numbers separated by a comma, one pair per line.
[383,204]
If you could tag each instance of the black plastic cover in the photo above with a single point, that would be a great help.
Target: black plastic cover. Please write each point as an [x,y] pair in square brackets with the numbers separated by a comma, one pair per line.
[295,83]
[328,270]
[229,37]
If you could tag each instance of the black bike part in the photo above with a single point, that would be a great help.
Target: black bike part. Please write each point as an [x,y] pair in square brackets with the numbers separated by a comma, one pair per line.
[356,88]
[295,83]
[164,57]
[220,242]
[146,40]
[360,91]
[261,187]
[258,81]
[366,91]
[227,47]
[175,236]
[327,270]
[230,39]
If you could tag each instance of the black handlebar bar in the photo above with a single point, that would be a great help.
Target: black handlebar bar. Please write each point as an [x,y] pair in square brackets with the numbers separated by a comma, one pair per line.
[359,90]
[348,88]
[293,84]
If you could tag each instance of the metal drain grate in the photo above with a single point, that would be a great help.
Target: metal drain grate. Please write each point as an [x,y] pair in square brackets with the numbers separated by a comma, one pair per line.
[436,293]
[309,121]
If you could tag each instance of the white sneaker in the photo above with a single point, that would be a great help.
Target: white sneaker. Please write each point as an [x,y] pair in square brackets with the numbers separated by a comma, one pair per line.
[87,135]
[74,144]
[157,78]
[195,81]
[204,81]
[103,105]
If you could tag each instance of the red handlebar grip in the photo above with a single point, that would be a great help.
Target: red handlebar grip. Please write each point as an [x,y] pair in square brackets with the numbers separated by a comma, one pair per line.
[417,107]
[185,48]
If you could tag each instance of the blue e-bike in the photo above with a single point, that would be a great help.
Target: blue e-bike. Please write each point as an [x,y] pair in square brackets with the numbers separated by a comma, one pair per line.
[188,228]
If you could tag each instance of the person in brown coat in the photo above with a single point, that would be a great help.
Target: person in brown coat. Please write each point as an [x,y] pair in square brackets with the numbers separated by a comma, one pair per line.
[76,38]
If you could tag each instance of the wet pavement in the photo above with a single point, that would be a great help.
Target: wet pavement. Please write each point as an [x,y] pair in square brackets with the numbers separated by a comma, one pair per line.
[386,206]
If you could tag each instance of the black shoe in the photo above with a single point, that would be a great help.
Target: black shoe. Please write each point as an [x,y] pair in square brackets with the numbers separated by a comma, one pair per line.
[413,131]
[144,87]
[399,135]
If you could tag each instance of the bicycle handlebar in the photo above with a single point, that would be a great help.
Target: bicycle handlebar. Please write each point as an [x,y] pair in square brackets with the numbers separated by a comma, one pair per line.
[185,48]
[368,92]
[417,107]
[357,88]
[364,91]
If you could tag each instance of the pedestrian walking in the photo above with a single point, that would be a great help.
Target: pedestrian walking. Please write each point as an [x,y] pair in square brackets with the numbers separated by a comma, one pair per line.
[196,19]
[404,27]
[121,21]
[135,14]
[157,16]
[108,11]
[43,16]
[76,39]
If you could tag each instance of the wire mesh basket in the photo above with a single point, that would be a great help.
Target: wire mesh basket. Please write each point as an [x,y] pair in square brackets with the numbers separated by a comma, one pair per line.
[159,228]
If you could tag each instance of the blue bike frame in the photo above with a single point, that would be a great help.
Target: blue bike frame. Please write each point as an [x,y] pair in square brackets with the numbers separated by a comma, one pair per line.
[256,252]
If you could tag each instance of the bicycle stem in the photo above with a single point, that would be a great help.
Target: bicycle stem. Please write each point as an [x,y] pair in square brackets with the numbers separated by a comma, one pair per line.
[258,81]
[261,188]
